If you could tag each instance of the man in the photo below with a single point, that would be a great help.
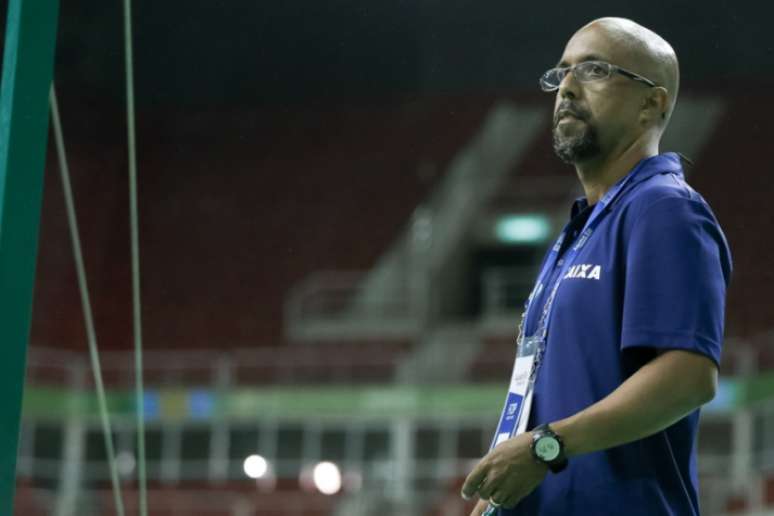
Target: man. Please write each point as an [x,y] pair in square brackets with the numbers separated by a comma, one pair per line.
[632,308]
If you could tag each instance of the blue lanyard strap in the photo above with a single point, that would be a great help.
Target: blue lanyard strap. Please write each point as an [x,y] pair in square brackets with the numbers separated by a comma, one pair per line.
[600,210]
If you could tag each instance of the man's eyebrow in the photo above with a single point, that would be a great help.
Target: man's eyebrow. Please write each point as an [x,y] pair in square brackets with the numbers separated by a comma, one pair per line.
[588,57]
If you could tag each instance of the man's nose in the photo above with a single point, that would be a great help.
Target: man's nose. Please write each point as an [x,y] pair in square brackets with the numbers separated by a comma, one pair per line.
[568,88]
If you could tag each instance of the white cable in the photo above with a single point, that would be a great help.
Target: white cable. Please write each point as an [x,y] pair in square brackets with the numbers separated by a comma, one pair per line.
[85,301]
[135,245]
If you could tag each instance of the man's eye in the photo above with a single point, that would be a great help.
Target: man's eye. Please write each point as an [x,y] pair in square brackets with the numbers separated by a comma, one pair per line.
[595,70]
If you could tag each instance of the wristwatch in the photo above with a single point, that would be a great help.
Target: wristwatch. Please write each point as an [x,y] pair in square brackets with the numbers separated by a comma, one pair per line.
[548,448]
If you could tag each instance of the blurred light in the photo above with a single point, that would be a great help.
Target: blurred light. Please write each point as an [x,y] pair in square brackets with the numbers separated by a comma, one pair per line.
[515,229]
[327,478]
[256,466]
[125,463]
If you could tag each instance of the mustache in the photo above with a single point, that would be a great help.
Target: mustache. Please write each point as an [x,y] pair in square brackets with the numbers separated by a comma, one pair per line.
[566,108]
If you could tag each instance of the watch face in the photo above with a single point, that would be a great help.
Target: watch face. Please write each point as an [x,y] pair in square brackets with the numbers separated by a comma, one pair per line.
[547,448]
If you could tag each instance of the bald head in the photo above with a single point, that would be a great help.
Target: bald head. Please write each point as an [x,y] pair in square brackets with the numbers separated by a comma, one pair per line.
[642,51]
[594,117]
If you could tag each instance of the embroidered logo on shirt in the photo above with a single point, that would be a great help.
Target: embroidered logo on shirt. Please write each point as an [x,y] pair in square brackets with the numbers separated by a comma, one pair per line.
[584,270]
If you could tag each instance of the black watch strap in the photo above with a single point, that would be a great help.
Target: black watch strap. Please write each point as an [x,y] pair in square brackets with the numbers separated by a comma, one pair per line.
[541,432]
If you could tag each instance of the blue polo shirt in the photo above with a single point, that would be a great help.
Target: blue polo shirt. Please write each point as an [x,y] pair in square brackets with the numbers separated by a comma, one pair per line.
[653,276]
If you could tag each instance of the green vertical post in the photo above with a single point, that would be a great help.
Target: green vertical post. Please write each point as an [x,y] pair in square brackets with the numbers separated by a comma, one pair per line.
[28,64]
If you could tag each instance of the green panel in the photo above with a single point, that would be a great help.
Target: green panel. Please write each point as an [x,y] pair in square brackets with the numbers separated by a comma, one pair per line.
[284,402]
[27,70]
[325,401]
[372,402]
[758,388]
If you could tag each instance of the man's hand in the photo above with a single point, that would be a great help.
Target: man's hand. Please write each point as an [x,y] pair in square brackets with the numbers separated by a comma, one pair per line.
[480,507]
[506,474]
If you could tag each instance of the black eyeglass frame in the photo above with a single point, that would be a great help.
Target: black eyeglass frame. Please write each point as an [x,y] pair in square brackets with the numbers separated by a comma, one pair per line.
[611,69]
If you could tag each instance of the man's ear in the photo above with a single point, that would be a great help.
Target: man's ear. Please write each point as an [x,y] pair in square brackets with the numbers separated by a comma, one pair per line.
[655,104]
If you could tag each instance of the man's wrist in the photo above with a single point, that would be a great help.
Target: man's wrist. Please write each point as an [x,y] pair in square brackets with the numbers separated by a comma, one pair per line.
[571,437]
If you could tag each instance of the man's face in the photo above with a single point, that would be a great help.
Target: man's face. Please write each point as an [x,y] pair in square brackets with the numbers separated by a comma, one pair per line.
[591,118]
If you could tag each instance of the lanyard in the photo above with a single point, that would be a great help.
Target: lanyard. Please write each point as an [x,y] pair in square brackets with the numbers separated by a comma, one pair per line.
[530,350]
[600,210]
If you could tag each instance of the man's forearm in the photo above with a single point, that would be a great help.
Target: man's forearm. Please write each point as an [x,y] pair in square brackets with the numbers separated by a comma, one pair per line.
[660,393]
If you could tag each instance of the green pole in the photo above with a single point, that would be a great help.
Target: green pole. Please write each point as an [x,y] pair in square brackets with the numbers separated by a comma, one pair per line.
[27,69]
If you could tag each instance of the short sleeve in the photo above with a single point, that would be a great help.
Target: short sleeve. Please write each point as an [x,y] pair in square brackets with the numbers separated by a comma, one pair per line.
[678,267]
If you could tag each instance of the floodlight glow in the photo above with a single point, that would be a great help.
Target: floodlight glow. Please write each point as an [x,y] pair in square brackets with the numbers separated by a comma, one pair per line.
[522,228]
[327,478]
[255,466]
[125,463]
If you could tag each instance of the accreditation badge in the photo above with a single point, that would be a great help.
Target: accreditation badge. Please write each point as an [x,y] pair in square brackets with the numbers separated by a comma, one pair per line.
[518,403]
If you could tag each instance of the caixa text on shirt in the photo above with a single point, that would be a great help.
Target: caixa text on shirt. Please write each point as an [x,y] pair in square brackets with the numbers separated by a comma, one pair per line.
[584,270]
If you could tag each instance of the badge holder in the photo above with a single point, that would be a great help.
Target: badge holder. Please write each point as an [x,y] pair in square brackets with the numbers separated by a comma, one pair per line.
[519,400]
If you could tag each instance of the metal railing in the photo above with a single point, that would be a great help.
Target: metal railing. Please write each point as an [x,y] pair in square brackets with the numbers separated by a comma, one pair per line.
[335,362]
[329,304]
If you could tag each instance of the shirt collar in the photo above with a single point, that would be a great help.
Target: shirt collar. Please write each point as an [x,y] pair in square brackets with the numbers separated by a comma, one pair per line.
[669,162]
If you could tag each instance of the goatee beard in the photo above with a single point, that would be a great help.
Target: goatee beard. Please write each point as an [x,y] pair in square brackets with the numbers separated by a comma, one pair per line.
[576,148]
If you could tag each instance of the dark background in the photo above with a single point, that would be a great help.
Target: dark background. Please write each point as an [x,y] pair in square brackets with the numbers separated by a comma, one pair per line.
[259,53]
[277,139]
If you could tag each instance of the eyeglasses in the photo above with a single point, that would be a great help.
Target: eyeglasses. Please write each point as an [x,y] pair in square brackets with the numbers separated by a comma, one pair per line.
[588,71]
